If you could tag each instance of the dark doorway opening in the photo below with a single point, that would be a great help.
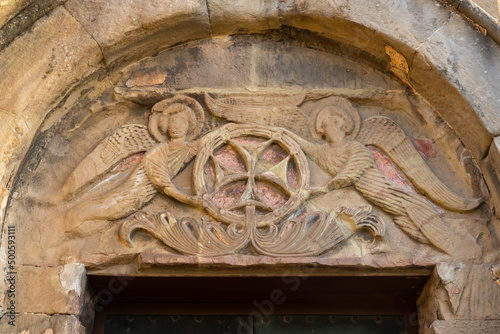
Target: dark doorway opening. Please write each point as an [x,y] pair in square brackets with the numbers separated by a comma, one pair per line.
[257,303]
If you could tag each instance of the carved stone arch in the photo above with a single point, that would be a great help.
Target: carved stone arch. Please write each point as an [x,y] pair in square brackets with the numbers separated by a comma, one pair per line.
[85,56]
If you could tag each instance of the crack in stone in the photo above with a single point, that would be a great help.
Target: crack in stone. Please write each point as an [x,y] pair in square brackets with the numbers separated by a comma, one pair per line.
[25,19]
[209,19]
[103,57]
[431,35]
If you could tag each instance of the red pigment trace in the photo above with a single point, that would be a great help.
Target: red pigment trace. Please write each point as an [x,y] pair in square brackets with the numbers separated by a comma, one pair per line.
[130,161]
[292,175]
[270,195]
[391,171]
[394,174]
[229,195]
[274,154]
[228,158]
[425,148]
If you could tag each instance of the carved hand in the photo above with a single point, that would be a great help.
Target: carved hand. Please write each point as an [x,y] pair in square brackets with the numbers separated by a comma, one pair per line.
[292,135]
[315,191]
[338,183]
[169,189]
[173,192]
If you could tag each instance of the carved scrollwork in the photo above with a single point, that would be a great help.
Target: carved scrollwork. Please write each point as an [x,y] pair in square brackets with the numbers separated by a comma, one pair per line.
[187,235]
[313,235]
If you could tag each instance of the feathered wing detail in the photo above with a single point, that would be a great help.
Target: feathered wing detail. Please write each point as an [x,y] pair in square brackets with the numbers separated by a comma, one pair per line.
[126,198]
[414,214]
[439,234]
[274,110]
[385,134]
[123,142]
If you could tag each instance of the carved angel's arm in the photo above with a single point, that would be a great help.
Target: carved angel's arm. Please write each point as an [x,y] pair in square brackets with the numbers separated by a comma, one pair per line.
[172,191]
[358,161]
[162,167]
[310,149]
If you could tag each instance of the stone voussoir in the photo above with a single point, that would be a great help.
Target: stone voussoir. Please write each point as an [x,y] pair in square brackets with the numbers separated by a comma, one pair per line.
[474,75]
[140,28]
[57,58]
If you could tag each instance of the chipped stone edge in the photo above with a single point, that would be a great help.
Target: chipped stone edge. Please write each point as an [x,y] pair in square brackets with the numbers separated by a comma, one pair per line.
[73,277]
[25,19]
[487,24]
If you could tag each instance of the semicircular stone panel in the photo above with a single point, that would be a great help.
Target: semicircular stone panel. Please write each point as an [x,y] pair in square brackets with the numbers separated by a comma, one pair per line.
[246,149]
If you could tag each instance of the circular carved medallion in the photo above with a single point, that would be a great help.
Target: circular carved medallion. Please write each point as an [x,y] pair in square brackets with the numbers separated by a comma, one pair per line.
[251,175]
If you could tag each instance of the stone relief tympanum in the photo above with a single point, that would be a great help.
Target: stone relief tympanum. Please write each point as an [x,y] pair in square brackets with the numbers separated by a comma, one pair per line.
[251,178]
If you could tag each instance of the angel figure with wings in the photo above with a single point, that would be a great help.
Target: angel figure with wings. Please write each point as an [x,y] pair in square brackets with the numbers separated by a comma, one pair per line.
[350,163]
[163,149]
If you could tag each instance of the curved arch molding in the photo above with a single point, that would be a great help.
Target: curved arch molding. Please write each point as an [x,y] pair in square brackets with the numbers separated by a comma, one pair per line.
[51,50]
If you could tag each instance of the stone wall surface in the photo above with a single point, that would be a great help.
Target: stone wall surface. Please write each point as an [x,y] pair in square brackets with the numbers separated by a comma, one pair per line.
[137,28]
[486,327]
[491,7]
[458,297]
[43,63]
[45,324]
[73,72]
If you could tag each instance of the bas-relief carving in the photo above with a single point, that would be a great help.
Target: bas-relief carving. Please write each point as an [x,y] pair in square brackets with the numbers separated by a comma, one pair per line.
[250,179]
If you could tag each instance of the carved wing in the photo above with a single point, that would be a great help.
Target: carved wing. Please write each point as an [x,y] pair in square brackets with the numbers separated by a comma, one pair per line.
[274,110]
[122,143]
[383,133]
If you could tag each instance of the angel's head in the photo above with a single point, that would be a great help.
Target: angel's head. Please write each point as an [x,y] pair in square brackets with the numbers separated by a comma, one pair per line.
[334,124]
[176,121]
[178,118]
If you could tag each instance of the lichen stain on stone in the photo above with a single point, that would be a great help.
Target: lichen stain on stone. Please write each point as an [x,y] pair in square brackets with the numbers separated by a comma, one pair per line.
[72,276]
[399,65]
[147,77]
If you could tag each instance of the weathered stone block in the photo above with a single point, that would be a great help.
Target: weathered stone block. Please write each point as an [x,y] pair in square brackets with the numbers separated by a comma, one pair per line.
[407,21]
[52,290]
[289,65]
[450,104]
[44,324]
[140,28]
[25,18]
[223,62]
[490,6]
[36,69]
[475,75]
[459,292]
[9,9]
[465,327]
[228,16]
[371,25]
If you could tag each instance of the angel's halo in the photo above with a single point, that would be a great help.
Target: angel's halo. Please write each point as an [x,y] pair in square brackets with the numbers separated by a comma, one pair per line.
[336,106]
[162,108]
